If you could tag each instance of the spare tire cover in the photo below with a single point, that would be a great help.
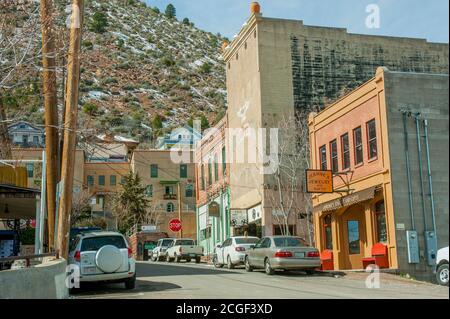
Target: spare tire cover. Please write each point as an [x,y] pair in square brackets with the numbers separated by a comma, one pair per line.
[108,259]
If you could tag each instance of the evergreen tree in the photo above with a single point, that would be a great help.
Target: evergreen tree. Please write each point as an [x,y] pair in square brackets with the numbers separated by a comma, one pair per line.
[204,122]
[157,122]
[171,12]
[186,21]
[99,23]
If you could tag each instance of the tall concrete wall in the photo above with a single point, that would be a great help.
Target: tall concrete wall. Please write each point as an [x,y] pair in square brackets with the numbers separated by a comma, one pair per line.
[427,94]
[45,281]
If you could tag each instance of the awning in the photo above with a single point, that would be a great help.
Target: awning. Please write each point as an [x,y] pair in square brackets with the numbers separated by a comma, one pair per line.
[348,200]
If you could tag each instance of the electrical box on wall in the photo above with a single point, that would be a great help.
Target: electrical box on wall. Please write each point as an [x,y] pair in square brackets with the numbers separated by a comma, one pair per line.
[431,247]
[412,239]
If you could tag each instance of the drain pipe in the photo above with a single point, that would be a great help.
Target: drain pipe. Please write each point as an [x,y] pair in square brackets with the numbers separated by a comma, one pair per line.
[430,178]
[419,151]
[408,173]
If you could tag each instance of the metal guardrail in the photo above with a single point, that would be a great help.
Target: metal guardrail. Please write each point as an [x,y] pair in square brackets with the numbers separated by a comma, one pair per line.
[27,258]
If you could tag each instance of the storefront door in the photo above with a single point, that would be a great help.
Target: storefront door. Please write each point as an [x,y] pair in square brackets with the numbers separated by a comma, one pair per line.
[354,231]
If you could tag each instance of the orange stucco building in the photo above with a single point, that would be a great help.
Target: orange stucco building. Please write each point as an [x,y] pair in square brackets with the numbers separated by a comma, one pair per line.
[361,139]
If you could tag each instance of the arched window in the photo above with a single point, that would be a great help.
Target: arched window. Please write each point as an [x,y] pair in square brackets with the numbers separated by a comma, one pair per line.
[328,237]
[170,208]
[380,216]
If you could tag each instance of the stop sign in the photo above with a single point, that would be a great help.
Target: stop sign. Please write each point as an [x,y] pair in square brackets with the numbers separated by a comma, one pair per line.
[175,225]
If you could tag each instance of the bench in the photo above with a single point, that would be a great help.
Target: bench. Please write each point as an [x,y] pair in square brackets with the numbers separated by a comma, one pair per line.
[326,259]
[379,257]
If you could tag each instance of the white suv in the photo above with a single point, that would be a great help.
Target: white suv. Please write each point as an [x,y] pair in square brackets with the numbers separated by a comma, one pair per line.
[159,252]
[442,266]
[103,257]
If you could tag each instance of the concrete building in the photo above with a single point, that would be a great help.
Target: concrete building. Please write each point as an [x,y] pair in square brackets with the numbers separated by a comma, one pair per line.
[376,148]
[169,184]
[276,66]
[212,175]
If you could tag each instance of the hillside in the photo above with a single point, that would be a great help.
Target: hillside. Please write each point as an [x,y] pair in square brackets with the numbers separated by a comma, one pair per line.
[136,63]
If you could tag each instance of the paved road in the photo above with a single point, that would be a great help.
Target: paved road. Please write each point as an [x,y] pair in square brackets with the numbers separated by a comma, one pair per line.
[191,281]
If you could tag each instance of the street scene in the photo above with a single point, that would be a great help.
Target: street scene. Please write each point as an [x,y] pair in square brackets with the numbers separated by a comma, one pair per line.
[146,152]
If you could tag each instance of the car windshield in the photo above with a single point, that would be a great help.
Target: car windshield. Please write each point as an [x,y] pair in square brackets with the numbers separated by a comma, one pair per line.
[249,240]
[95,243]
[290,242]
[166,242]
[185,242]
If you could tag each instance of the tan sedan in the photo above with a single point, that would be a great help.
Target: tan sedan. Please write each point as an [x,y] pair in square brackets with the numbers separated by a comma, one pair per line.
[282,253]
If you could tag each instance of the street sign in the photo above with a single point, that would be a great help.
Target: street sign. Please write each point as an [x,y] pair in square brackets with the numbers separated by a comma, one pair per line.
[175,225]
[149,228]
[319,181]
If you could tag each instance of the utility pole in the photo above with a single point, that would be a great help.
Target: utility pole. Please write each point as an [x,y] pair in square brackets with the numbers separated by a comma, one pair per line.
[70,126]
[179,208]
[51,113]
[5,146]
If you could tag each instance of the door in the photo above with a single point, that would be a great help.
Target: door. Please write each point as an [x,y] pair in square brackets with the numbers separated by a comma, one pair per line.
[354,230]
[222,254]
[260,252]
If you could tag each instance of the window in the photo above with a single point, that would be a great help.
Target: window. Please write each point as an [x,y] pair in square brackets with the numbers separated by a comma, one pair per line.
[345,152]
[30,170]
[24,139]
[189,191]
[281,242]
[170,208]
[354,247]
[90,180]
[112,180]
[203,177]
[183,171]
[357,140]
[154,171]
[95,243]
[216,169]
[123,180]
[279,230]
[372,139]
[381,222]
[323,158]
[328,232]
[101,180]
[35,139]
[209,174]
[149,191]
[169,190]
[334,156]
[224,162]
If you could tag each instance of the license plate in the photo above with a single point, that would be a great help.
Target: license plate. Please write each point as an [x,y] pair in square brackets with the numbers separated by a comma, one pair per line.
[89,270]
[300,255]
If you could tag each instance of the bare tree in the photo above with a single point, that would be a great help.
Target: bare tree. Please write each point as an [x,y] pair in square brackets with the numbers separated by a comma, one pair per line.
[80,206]
[285,191]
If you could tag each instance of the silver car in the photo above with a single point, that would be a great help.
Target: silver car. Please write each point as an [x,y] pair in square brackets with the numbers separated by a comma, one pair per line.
[282,253]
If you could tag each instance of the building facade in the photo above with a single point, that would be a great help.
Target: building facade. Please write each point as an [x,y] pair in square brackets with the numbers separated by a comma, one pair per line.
[275,67]
[170,186]
[212,175]
[181,137]
[27,135]
[362,140]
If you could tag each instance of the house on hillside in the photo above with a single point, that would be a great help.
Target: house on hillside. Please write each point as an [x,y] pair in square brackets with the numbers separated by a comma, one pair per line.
[27,135]
[181,137]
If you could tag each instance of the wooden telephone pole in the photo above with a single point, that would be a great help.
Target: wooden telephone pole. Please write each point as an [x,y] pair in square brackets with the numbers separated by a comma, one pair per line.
[5,146]
[51,113]
[70,126]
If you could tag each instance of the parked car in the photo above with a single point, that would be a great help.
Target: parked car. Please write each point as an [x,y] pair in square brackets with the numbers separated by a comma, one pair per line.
[184,249]
[282,253]
[103,257]
[442,266]
[232,251]
[159,252]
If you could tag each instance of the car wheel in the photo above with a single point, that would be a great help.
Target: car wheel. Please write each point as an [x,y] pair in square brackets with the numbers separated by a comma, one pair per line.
[188,260]
[216,263]
[229,263]
[310,271]
[130,283]
[442,275]
[268,268]
[248,267]
[198,260]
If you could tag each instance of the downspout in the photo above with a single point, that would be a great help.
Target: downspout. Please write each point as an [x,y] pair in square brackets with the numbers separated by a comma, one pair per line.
[430,178]
[419,150]
[408,173]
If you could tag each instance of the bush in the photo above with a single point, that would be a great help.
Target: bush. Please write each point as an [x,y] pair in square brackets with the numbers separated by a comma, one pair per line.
[171,12]
[90,108]
[168,61]
[99,23]
[186,21]
[157,122]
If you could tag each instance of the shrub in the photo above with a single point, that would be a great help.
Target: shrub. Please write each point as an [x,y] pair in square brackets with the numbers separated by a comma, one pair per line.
[99,23]
[90,108]
[171,12]
[186,21]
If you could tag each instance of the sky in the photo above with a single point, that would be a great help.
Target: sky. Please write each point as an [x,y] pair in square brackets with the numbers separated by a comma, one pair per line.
[405,18]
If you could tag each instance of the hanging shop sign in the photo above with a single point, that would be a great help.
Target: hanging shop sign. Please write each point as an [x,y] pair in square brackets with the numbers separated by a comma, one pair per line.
[319,181]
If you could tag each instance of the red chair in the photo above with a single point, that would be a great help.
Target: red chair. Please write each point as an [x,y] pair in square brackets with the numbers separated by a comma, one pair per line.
[326,258]
[379,257]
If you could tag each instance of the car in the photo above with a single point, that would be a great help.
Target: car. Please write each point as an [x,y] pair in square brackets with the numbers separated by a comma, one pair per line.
[442,266]
[232,251]
[184,249]
[159,252]
[282,253]
[103,257]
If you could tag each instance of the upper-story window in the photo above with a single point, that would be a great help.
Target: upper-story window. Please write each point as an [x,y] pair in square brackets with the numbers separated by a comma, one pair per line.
[189,190]
[323,158]
[112,180]
[334,156]
[149,191]
[170,208]
[90,180]
[154,171]
[216,168]
[345,152]
[372,139]
[183,171]
[30,170]
[357,141]
[209,174]
[101,180]
[203,177]
[224,162]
